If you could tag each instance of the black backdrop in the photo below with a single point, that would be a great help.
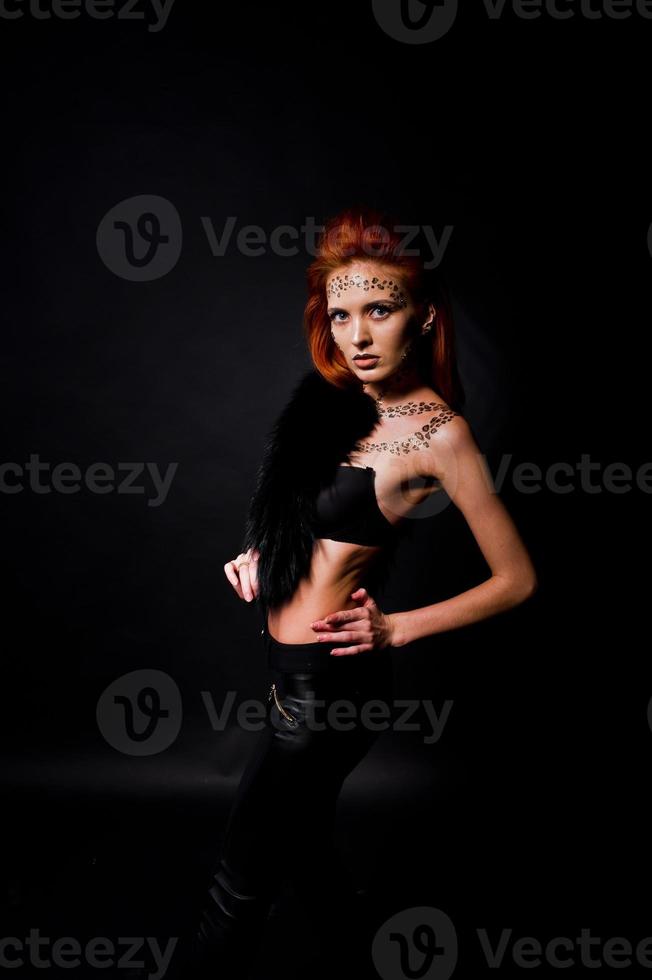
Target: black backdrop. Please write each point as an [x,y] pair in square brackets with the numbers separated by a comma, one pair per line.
[523,138]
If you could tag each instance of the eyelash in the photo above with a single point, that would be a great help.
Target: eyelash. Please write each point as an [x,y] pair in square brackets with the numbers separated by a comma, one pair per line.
[378,306]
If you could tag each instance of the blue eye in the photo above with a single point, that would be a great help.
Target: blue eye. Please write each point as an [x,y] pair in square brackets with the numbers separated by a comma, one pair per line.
[383,307]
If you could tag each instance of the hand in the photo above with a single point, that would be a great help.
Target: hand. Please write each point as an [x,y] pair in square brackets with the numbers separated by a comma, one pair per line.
[365,626]
[242,573]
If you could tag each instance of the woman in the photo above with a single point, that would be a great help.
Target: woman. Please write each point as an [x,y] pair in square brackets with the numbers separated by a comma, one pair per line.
[366,437]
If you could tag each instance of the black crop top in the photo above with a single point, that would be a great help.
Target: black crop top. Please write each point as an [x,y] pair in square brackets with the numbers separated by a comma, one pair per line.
[348,510]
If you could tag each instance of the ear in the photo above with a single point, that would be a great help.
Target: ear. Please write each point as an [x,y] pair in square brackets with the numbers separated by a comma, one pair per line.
[428,317]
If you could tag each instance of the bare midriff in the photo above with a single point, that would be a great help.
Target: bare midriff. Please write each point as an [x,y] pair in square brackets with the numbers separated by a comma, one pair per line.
[337,570]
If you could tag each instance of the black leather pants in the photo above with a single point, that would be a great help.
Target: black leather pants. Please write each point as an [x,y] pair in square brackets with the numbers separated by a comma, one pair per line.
[282,818]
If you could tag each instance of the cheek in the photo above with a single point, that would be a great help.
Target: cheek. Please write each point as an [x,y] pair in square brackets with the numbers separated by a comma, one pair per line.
[398,335]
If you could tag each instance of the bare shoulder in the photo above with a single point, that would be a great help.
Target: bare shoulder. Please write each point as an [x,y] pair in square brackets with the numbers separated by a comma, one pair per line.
[448,436]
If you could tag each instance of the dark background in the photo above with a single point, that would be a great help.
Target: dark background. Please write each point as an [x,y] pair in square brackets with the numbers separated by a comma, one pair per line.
[525,136]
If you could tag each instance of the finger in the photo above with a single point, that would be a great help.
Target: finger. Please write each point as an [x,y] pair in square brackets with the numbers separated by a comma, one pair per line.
[331,624]
[361,595]
[350,651]
[253,577]
[345,622]
[343,616]
[251,558]
[340,637]
[322,624]
[246,584]
[232,575]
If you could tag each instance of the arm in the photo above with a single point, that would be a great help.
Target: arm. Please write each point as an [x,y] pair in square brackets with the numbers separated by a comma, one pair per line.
[453,458]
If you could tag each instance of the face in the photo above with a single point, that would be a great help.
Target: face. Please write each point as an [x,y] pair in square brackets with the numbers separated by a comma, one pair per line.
[370,312]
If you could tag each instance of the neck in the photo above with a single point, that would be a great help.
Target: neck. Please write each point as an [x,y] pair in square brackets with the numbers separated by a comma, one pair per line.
[396,388]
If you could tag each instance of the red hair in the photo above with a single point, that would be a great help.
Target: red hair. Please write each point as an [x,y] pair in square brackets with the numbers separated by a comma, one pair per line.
[365,234]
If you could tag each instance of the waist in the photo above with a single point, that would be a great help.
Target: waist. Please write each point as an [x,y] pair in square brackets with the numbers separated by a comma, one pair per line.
[316,657]
[336,571]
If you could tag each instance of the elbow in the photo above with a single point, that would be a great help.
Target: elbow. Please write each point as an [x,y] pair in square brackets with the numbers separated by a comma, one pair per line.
[521,588]
[526,587]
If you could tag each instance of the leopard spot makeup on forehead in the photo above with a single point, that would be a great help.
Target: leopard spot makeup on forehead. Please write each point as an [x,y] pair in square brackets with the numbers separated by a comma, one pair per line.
[339,284]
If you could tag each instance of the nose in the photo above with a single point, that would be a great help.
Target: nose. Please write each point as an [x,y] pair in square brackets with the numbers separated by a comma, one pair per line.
[360,335]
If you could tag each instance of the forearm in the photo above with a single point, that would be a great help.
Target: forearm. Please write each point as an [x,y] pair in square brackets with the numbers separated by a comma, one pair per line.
[495,595]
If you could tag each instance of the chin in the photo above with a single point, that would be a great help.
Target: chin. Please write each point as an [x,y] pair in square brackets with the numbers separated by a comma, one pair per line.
[371,370]
[377,373]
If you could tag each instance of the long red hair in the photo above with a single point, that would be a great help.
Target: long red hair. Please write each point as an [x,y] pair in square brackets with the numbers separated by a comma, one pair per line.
[366,234]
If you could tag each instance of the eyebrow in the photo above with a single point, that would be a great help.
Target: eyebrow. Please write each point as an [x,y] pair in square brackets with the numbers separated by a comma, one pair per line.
[367,306]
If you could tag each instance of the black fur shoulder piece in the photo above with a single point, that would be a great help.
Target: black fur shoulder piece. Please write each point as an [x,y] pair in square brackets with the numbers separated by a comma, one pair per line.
[316,431]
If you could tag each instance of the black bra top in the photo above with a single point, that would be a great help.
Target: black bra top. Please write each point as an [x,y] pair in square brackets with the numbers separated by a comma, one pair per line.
[348,510]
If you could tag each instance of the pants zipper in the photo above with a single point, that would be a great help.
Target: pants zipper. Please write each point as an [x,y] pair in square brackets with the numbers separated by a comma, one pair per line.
[273,693]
